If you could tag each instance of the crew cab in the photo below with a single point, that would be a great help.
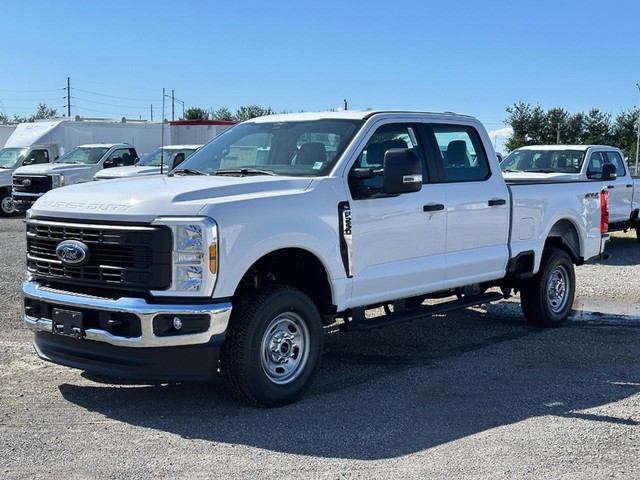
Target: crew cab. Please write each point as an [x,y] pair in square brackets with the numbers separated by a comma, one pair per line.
[283,224]
[581,163]
[76,166]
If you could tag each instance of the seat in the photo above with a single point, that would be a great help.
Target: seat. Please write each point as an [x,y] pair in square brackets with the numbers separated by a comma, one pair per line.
[311,153]
[456,154]
[126,159]
[178,158]
[376,151]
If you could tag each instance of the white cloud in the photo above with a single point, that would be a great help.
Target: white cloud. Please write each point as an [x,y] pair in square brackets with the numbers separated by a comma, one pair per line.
[499,138]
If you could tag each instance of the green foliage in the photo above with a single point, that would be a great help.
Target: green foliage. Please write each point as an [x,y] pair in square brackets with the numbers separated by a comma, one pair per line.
[43,112]
[196,113]
[532,125]
[251,111]
[223,114]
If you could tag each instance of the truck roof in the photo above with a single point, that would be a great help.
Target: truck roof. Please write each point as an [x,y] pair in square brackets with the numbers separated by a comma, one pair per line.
[345,115]
[108,145]
[563,147]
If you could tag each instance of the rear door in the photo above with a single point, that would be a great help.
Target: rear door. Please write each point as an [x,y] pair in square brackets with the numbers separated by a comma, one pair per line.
[477,205]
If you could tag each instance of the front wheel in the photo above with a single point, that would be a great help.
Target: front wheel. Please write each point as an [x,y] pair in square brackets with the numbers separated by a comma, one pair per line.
[273,346]
[6,205]
[547,298]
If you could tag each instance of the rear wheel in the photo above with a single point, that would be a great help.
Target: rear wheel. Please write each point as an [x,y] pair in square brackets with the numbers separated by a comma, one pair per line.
[6,205]
[273,347]
[548,297]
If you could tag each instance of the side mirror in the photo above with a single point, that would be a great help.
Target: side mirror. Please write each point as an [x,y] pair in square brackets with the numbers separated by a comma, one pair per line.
[402,171]
[29,161]
[609,172]
[110,162]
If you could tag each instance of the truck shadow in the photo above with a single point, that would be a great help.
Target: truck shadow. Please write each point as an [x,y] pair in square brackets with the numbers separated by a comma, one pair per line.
[623,249]
[402,389]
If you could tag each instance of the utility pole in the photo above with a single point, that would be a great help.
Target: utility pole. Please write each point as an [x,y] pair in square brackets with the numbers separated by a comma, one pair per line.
[173,106]
[558,135]
[152,112]
[68,97]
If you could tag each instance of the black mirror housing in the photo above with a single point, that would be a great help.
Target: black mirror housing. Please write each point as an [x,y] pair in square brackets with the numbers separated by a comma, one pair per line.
[609,172]
[402,171]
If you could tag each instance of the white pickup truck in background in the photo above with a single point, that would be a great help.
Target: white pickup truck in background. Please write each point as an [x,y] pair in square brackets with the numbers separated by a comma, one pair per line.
[581,162]
[285,223]
[161,160]
[76,166]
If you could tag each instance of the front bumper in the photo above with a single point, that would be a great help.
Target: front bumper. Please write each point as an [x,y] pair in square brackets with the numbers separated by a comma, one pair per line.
[149,354]
[24,201]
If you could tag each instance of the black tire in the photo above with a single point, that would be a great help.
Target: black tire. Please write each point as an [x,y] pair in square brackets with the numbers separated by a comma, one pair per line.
[6,205]
[548,297]
[273,346]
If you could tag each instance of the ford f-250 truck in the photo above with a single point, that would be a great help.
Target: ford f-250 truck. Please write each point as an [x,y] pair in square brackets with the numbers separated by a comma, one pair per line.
[581,162]
[76,166]
[283,224]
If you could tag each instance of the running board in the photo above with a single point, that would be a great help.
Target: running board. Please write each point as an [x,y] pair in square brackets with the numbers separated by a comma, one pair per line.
[364,324]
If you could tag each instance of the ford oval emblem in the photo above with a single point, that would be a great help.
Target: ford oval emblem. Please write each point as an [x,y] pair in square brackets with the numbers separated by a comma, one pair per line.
[26,182]
[72,253]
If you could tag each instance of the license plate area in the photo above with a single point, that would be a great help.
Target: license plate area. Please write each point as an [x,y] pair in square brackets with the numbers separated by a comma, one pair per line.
[68,323]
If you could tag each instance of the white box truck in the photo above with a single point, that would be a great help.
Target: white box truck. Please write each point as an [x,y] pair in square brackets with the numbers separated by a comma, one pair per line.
[42,142]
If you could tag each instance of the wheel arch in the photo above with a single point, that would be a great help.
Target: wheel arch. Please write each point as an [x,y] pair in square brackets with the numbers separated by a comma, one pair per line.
[295,267]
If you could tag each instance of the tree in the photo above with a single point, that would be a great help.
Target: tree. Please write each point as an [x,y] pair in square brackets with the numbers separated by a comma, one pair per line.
[251,111]
[624,132]
[43,112]
[598,127]
[4,118]
[196,113]
[223,114]
[528,123]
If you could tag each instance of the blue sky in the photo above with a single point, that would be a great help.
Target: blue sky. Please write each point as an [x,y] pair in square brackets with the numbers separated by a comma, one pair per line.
[466,56]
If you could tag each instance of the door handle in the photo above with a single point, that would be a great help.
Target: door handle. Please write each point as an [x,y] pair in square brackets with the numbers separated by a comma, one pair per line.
[497,201]
[611,186]
[629,186]
[433,207]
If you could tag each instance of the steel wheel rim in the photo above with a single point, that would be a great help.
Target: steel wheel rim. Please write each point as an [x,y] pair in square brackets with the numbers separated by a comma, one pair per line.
[285,348]
[558,289]
[7,205]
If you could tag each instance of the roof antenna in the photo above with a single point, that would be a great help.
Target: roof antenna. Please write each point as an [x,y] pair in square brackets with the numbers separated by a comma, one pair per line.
[345,103]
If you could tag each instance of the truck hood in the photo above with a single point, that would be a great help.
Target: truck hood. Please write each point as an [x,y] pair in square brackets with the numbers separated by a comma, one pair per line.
[48,168]
[141,199]
[540,176]
[130,171]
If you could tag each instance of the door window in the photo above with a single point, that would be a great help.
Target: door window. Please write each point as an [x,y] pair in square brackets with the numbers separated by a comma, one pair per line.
[461,153]
[616,159]
[368,181]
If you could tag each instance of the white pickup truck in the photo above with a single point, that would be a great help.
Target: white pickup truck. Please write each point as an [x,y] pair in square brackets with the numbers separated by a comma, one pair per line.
[283,224]
[161,160]
[581,162]
[76,166]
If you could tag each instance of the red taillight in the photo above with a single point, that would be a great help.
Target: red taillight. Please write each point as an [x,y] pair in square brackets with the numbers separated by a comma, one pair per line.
[604,211]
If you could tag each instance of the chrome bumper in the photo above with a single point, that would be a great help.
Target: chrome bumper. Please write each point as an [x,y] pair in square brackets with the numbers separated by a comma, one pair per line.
[218,314]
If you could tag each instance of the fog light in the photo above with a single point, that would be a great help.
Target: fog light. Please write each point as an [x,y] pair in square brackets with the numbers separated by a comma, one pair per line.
[177,323]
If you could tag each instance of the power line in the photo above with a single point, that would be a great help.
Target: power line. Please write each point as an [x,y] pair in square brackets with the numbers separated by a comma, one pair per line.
[31,91]
[113,96]
[129,107]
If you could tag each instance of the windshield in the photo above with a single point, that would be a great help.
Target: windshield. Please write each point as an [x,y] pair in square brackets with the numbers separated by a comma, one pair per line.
[544,161]
[85,155]
[295,148]
[165,156]
[11,157]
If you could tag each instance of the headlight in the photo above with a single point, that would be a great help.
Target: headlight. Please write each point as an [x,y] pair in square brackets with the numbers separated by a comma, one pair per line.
[194,255]
[57,180]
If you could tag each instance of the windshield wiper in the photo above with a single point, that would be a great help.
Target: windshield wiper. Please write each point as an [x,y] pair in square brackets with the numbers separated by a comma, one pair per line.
[187,171]
[541,170]
[244,171]
[511,170]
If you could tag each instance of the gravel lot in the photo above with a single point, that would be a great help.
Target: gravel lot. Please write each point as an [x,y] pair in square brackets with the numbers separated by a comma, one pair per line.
[478,394]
